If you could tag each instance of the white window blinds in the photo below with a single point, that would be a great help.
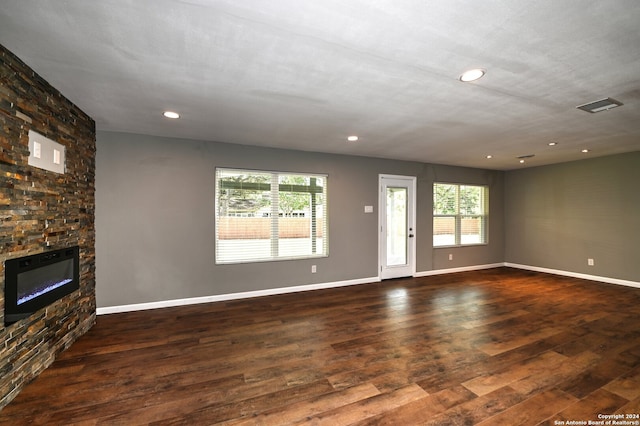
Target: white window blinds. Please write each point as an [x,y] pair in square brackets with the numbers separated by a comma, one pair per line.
[460,214]
[262,216]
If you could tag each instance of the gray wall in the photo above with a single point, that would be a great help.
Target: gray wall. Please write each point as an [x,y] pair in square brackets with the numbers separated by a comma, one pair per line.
[155,233]
[558,216]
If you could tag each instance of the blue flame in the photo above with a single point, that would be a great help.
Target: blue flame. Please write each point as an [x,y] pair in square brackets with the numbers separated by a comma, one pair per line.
[48,288]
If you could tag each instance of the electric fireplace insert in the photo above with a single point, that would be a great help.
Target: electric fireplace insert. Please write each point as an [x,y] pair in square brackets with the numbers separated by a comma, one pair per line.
[33,282]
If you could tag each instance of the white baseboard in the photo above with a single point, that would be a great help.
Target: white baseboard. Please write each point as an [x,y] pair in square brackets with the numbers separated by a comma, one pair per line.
[309,287]
[230,296]
[575,275]
[460,269]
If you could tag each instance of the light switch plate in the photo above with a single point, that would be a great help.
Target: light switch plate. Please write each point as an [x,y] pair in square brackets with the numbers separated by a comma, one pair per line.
[368,209]
[45,153]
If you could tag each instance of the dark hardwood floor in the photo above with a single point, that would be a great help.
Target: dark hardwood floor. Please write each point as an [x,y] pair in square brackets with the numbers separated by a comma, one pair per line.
[492,347]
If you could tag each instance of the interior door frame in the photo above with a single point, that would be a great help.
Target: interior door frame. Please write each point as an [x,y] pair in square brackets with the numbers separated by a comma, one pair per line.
[382,220]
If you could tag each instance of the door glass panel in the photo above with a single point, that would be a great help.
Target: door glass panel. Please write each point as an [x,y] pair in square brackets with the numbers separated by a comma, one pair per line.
[396,226]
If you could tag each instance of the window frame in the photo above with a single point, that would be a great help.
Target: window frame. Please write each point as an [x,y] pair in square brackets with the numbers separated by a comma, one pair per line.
[458,216]
[323,247]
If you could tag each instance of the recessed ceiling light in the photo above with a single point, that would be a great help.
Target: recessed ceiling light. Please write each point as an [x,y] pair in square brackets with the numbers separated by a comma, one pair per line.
[553,143]
[585,151]
[472,75]
[171,114]
[489,156]
[352,138]
[523,157]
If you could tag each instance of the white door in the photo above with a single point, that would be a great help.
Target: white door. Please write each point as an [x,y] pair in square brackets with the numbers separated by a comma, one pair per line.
[397,242]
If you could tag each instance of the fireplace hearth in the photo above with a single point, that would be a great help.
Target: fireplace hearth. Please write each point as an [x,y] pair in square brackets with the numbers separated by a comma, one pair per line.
[34,282]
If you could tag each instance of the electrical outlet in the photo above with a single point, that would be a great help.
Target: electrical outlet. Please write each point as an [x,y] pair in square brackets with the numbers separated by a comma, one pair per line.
[313,269]
[450,256]
[590,262]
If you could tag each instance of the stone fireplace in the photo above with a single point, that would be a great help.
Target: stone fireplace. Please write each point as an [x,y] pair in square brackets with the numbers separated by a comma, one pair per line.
[43,215]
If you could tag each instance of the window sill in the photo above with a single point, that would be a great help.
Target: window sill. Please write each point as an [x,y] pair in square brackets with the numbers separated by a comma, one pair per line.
[461,245]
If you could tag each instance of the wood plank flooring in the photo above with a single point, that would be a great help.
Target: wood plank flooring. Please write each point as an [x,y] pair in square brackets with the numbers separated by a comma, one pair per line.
[493,347]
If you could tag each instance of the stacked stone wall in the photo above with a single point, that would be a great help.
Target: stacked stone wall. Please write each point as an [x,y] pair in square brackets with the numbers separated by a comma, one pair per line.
[40,211]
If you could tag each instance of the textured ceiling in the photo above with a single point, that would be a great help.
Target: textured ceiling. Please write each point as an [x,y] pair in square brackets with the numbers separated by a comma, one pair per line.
[306,74]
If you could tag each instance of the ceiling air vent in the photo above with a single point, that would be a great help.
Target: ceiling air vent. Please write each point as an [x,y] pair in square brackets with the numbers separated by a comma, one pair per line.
[601,105]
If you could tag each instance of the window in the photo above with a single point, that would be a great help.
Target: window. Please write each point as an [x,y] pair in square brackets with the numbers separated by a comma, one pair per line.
[264,216]
[459,214]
